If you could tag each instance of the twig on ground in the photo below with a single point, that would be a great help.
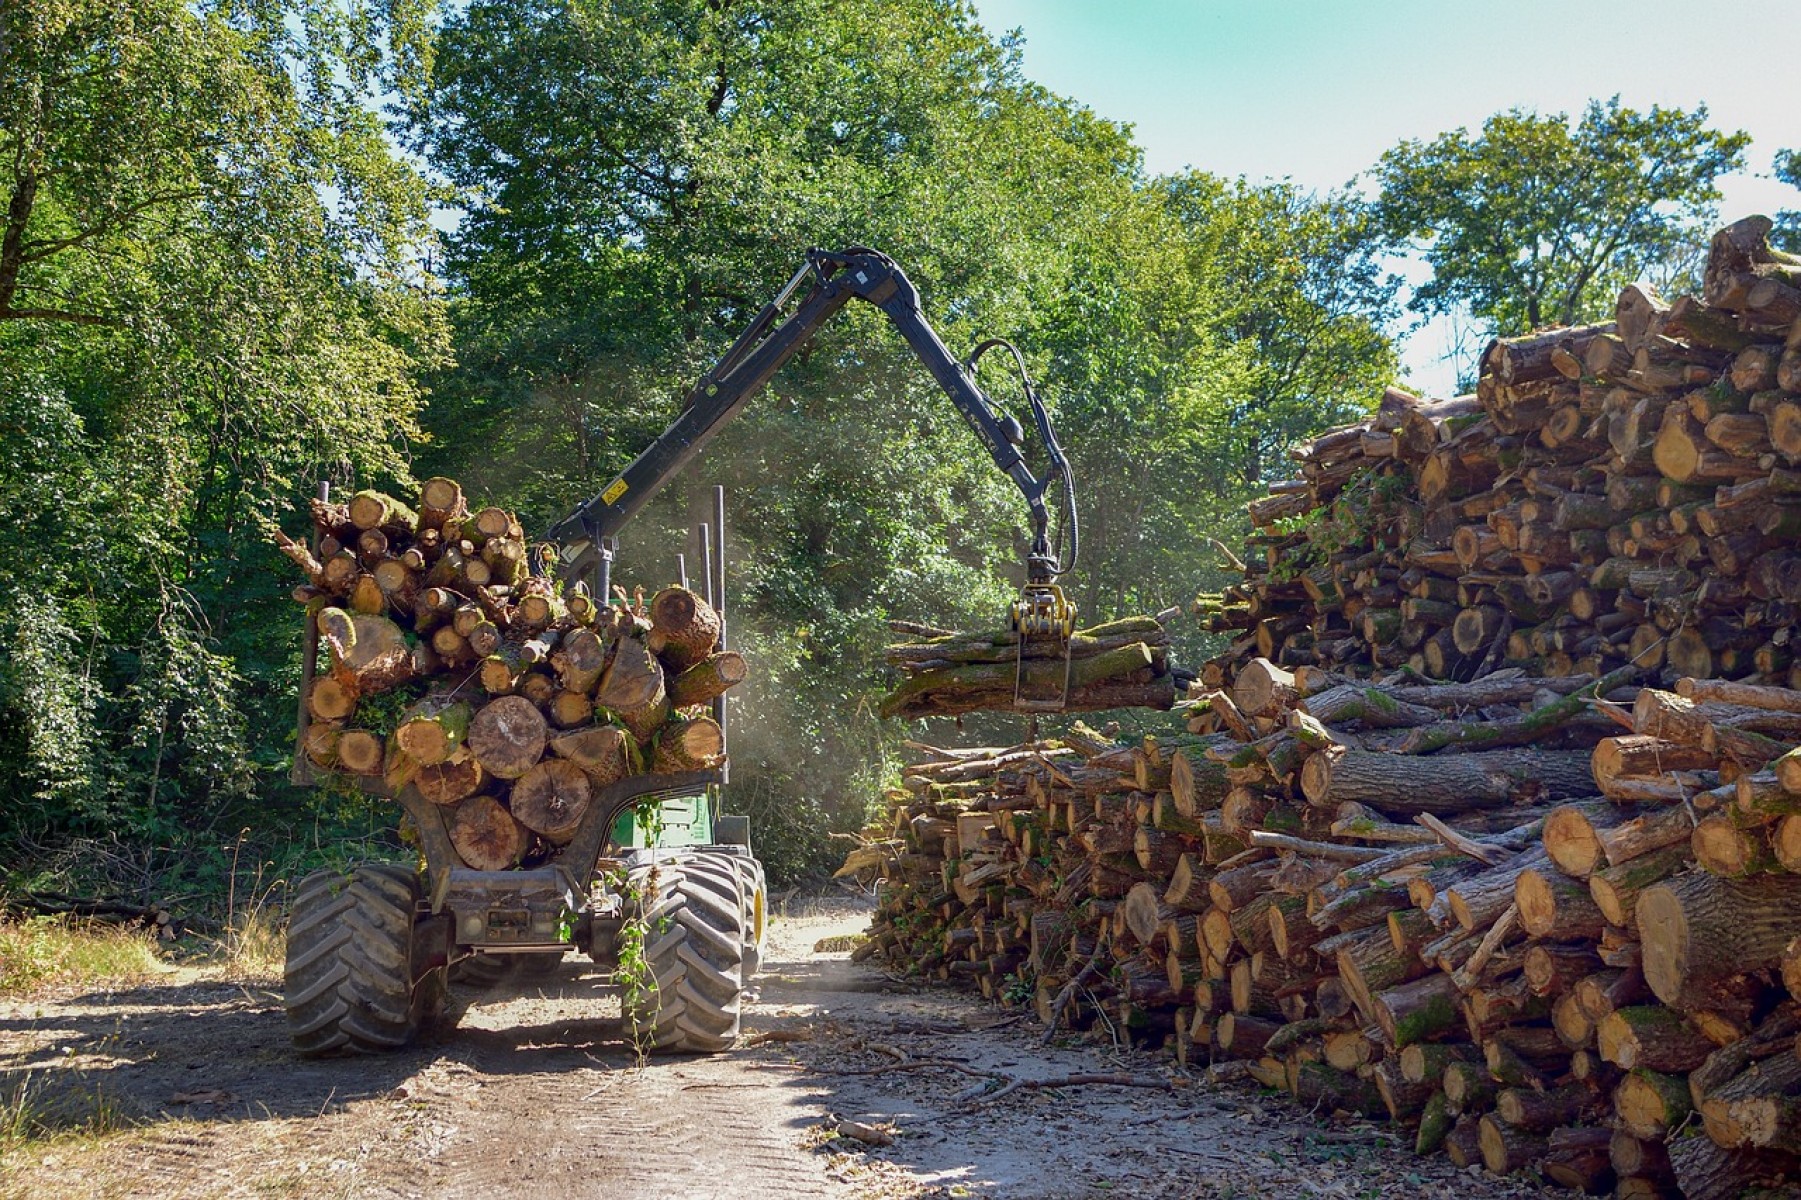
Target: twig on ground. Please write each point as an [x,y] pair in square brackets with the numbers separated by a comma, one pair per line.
[1091,1079]
[1089,970]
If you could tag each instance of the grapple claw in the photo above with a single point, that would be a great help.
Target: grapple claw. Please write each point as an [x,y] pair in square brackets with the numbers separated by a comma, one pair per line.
[1044,619]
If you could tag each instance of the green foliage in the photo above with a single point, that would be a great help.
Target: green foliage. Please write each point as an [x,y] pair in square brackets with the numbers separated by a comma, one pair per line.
[1536,222]
[643,174]
[214,291]
[42,951]
[1787,233]
[210,296]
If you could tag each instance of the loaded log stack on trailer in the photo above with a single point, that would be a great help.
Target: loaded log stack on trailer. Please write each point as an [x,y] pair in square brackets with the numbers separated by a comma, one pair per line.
[523,698]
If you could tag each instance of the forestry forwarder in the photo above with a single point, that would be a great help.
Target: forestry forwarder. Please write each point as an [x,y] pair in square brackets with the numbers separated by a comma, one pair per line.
[368,955]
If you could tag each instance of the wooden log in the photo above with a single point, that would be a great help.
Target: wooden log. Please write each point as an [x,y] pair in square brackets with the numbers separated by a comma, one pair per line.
[1506,1149]
[1113,679]
[431,731]
[1579,1158]
[1476,902]
[370,509]
[684,627]
[1551,969]
[1649,1104]
[1644,1161]
[1368,963]
[369,654]
[1417,1011]
[330,700]
[1557,907]
[1698,931]
[580,658]
[688,744]
[1706,1171]
[1652,1036]
[440,501]
[486,835]
[1197,783]
[1540,1112]
[1645,833]
[551,799]
[507,736]
[1444,784]
[1733,845]
[449,782]
[710,677]
[359,752]
[1468,1087]
[1435,1125]
[1615,890]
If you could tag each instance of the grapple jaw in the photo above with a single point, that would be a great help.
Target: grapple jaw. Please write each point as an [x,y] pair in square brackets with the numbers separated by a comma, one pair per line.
[1045,619]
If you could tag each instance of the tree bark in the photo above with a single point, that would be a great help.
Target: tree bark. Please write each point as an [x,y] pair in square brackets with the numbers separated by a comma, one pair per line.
[1699,931]
[507,736]
[552,798]
[486,835]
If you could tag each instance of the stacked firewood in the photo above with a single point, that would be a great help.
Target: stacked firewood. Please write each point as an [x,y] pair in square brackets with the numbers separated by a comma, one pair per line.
[1624,492]
[1523,916]
[1122,664]
[1488,821]
[500,696]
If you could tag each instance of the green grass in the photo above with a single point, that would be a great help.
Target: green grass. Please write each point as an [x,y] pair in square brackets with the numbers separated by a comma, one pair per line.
[44,952]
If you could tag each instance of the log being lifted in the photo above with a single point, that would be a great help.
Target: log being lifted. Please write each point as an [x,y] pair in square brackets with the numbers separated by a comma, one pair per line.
[1120,678]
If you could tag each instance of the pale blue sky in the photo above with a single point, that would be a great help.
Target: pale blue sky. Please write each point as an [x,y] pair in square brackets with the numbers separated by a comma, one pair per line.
[1316,90]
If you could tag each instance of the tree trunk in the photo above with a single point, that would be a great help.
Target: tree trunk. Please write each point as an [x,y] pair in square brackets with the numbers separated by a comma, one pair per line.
[507,736]
[486,836]
[1699,931]
[1446,783]
[684,627]
[552,798]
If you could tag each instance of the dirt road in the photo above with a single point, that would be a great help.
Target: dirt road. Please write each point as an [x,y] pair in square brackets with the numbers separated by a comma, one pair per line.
[534,1092]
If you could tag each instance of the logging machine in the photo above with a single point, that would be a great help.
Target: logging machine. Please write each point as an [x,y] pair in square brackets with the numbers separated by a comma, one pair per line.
[652,859]
[1042,615]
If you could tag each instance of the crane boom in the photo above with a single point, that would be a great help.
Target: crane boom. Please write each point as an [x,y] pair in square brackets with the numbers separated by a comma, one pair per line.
[769,342]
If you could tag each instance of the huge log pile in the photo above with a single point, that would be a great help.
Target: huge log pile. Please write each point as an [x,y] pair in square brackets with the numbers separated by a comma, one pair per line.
[1619,492]
[502,697]
[1489,823]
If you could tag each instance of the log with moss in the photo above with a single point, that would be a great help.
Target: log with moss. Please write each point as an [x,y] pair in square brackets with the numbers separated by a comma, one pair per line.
[1123,664]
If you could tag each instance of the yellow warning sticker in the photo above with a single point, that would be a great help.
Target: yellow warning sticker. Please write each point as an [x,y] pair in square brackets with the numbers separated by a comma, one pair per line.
[614,490]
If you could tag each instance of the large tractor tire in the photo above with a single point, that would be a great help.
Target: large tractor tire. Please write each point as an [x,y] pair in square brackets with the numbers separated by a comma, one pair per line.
[756,912]
[349,983]
[730,873]
[689,997]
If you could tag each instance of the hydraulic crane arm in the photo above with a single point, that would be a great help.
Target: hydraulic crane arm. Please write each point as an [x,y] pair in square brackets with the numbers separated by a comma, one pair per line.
[769,342]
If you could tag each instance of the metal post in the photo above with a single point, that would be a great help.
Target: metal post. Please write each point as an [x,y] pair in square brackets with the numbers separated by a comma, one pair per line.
[719,559]
[716,573]
[705,534]
[681,569]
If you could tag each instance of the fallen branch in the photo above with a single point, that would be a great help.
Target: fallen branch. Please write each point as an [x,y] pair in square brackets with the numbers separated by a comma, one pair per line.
[1479,851]
[1017,1083]
[1089,970]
